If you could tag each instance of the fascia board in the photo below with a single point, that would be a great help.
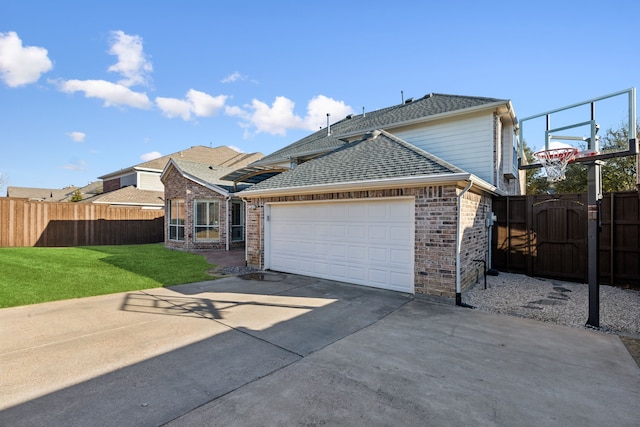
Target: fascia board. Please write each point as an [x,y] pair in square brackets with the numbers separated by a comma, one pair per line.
[426,119]
[412,181]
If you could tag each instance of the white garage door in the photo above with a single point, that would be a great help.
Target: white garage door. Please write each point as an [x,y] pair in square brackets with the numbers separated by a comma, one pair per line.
[364,242]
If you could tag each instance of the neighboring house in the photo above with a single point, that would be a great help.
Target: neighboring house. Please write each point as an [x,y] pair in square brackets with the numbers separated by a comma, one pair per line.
[399,198]
[55,194]
[202,211]
[140,185]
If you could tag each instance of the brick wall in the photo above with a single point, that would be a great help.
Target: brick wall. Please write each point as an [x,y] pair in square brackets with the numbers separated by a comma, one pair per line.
[475,208]
[435,232]
[178,187]
[110,185]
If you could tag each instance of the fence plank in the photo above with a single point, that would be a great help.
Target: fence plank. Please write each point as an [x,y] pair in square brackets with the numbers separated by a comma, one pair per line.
[29,223]
[514,237]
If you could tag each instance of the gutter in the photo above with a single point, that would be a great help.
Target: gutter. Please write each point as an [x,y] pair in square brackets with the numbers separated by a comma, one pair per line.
[459,244]
[411,181]
[228,220]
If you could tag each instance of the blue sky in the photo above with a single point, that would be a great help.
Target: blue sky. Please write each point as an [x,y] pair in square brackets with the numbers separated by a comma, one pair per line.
[87,88]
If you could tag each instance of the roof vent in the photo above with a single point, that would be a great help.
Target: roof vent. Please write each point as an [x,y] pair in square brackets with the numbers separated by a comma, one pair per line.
[427,96]
[350,116]
[371,135]
[408,101]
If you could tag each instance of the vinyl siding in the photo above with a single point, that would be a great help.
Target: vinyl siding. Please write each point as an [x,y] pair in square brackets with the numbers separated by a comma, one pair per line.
[150,181]
[464,142]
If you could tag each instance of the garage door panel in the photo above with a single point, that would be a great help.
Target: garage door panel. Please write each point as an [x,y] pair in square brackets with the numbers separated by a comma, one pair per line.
[368,243]
[400,256]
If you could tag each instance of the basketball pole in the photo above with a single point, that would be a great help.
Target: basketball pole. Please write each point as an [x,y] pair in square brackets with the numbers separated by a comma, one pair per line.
[594,195]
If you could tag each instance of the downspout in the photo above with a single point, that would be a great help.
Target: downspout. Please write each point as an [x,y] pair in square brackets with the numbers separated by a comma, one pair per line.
[228,221]
[459,244]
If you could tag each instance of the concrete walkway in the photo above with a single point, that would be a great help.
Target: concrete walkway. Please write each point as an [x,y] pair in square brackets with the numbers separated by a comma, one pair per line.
[292,350]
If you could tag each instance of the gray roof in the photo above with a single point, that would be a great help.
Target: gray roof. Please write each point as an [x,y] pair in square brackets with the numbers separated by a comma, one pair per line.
[432,104]
[206,173]
[378,156]
[54,194]
[219,156]
[130,196]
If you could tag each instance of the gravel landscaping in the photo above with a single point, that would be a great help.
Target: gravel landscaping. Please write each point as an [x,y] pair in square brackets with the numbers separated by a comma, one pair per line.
[563,303]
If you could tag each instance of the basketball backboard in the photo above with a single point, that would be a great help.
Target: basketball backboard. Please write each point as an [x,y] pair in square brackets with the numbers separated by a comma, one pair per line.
[577,126]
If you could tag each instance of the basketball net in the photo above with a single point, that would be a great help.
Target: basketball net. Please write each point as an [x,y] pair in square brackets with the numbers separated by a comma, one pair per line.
[555,161]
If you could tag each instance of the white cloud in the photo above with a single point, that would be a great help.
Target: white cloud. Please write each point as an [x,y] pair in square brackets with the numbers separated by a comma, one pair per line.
[198,103]
[279,117]
[318,108]
[233,147]
[233,77]
[111,93]
[77,166]
[77,136]
[172,107]
[205,105]
[21,65]
[132,62]
[150,156]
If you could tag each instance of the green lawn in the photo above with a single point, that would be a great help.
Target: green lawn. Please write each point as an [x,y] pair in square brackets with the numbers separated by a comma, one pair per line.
[34,275]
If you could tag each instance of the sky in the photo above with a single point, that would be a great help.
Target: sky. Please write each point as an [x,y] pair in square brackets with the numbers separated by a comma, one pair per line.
[89,88]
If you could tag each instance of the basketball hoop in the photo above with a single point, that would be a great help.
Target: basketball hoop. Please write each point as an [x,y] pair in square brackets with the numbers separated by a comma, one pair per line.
[555,161]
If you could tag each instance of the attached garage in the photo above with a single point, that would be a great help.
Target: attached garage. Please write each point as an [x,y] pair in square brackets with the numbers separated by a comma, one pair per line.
[366,242]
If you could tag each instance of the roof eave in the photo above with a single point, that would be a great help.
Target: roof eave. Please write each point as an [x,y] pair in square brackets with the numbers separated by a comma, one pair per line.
[193,178]
[410,181]
[470,110]
[114,174]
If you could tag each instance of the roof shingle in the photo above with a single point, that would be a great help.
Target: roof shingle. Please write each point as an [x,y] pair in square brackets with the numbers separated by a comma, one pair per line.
[377,157]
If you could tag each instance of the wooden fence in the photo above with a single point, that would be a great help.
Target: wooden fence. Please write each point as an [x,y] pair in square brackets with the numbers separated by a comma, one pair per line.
[27,223]
[546,236]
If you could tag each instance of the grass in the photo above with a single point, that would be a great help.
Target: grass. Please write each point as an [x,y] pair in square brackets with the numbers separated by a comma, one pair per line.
[35,275]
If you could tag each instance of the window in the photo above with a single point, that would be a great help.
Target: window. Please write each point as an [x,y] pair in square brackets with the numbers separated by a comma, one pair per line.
[207,220]
[176,219]
[237,221]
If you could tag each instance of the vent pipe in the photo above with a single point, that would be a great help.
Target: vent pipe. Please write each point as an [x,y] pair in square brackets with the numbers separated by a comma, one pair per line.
[402,96]
[328,125]
[363,115]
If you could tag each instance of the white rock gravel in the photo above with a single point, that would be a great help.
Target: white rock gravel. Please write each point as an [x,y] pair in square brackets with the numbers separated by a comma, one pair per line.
[563,303]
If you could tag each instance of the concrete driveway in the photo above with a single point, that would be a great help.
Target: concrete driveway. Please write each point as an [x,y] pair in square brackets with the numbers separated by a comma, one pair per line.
[292,350]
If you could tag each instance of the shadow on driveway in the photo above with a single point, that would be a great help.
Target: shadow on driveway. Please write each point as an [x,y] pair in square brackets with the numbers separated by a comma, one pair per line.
[306,351]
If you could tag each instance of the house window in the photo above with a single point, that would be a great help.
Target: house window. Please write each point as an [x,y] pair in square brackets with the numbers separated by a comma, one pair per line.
[237,221]
[176,219]
[207,220]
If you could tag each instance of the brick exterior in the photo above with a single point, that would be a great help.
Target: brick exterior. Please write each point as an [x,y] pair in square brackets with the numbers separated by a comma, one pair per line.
[177,186]
[110,185]
[435,232]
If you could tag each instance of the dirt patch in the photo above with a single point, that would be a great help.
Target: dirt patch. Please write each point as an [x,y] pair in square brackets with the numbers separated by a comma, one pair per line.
[633,346]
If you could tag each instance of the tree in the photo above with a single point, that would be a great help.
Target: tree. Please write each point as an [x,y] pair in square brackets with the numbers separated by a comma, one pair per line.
[76,196]
[618,173]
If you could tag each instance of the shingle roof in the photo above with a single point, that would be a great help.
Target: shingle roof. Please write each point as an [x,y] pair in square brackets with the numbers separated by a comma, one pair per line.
[430,105]
[218,156]
[55,194]
[206,173]
[380,156]
[130,196]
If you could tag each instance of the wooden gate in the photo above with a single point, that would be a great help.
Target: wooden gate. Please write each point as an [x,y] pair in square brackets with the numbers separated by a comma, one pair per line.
[546,236]
[559,228]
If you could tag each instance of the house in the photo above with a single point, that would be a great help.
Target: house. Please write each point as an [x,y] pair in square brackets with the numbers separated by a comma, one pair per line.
[203,211]
[399,198]
[55,194]
[140,185]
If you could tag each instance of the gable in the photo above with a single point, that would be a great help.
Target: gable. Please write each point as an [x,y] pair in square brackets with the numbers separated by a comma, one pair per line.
[427,108]
[380,157]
